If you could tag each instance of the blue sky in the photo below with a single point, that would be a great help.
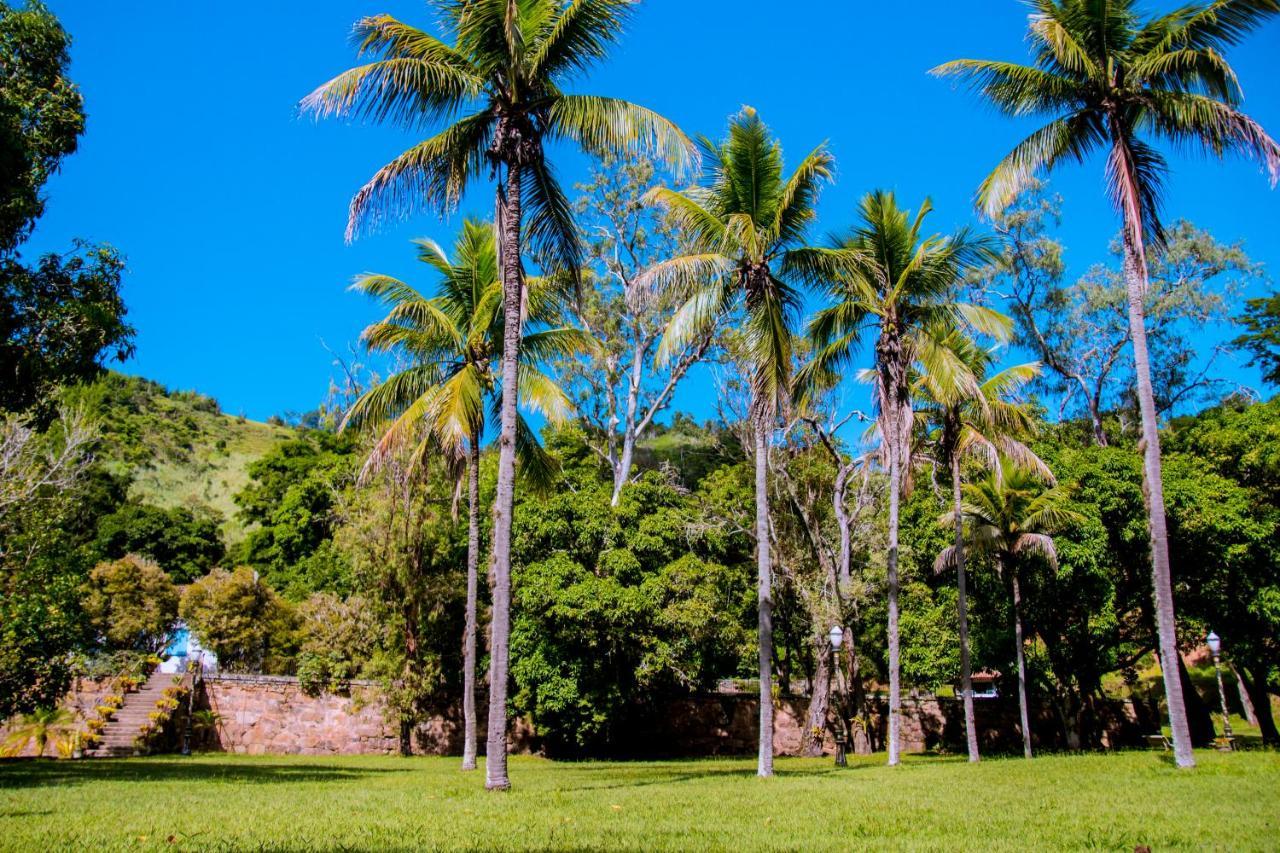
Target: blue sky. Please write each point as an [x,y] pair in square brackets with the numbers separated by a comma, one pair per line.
[231,209]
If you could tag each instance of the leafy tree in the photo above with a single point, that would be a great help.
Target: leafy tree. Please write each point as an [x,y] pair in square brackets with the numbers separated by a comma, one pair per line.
[59,322]
[621,386]
[241,619]
[1234,581]
[42,505]
[902,284]
[500,91]
[1011,515]
[41,113]
[186,544]
[1105,77]
[1261,336]
[291,499]
[451,342]
[406,555]
[746,229]
[339,639]
[1080,331]
[621,606]
[983,425]
[131,604]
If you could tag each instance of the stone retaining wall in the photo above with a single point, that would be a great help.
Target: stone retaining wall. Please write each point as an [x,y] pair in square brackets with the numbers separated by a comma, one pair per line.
[272,714]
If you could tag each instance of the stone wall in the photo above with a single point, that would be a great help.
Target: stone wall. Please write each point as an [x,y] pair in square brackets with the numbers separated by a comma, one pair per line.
[272,714]
[263,714]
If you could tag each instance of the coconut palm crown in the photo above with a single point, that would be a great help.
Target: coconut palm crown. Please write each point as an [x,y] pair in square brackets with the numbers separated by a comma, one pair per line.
[494,85]
[444,397]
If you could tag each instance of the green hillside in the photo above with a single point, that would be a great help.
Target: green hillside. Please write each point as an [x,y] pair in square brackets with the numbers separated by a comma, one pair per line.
[177,448]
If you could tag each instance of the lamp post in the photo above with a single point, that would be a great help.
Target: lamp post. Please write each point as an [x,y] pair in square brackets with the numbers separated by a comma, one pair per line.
[836,635]
[1215,646]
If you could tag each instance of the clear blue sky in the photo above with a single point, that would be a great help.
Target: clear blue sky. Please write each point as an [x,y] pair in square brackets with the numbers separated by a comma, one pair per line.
[231,209]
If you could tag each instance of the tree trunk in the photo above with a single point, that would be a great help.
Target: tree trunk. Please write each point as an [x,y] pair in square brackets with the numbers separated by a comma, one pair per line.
[819,698]
[473,583]
[895,687]
[623,471]
[1135,274]
[504,499]
[1199,714]
[1255,681]
[764,589]
[966,675]
[1246,703]
[1095,420]
[1022,665]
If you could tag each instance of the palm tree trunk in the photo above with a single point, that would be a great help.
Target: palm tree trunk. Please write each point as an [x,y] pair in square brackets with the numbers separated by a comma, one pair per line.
[1022,663]
[473,583]
[504,498]
[966,675]
[1135,273]
[764,591]
[895,687]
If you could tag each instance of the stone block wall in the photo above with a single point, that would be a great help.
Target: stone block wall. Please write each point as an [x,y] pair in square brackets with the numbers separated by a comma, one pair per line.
[272,714]
[264,714]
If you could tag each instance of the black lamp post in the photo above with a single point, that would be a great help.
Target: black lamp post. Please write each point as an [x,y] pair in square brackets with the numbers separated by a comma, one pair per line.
[1215,646]
[836,635]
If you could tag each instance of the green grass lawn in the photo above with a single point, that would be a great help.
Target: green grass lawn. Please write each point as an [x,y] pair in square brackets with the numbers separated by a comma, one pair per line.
[1112,802]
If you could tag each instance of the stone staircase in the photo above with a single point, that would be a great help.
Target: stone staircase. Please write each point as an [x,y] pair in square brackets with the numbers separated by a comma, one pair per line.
[119,734]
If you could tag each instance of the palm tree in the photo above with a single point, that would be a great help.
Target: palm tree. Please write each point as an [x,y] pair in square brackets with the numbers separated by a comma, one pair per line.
[39,725]
[959,424]
[497,93]
[747,226]
[441,399]
[1105,77]
[903,285]
[1010,514]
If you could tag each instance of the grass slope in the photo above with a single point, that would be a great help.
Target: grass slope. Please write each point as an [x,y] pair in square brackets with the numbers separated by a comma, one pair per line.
[1111,801]
[178,448]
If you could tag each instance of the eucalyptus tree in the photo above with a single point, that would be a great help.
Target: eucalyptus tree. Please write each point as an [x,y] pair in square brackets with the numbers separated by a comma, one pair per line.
[746,225]
[440,401]
[493,87]
[1011,514]
[1106,78]
[620,389]
[903,285]
[963,421]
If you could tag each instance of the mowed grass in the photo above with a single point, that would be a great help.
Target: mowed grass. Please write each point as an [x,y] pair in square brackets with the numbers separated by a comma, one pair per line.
[225,802]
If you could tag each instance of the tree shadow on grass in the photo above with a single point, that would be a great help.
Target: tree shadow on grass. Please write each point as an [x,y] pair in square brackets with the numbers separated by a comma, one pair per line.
[686,772]
[36,774]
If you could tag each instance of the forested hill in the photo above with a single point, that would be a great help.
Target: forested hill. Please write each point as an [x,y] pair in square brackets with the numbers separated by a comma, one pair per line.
[176,448]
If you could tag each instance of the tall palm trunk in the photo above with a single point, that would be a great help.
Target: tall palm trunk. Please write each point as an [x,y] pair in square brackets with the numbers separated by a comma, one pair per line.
[504,499]
[1023,714]
[1135,274]
[764,588]
[469,637]
[895,687]
[895,408]
[966,675]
